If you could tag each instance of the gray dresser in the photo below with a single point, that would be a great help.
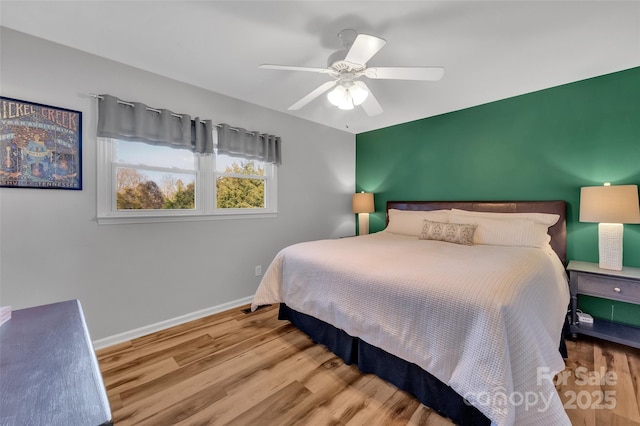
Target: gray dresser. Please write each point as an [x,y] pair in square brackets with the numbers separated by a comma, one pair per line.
[49,373]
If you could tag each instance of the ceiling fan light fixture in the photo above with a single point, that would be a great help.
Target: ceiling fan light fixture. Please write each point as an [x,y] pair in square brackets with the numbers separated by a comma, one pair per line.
[346,98]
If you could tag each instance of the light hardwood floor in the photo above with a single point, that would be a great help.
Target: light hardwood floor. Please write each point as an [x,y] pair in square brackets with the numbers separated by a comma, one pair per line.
[252,369]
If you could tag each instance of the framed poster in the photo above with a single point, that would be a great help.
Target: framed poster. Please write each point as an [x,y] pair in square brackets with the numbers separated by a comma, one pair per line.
[40,146]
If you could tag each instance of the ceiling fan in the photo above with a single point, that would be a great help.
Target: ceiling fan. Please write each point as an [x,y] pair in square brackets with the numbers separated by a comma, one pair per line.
[347,66]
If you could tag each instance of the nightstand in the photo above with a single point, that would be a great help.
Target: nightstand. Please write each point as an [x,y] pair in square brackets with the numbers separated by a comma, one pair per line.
[588,279]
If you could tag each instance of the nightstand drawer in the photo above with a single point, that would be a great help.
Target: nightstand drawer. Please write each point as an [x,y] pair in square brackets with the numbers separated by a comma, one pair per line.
[609,288]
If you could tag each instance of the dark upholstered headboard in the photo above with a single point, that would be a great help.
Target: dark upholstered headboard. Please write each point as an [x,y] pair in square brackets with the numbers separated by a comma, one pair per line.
[558,232]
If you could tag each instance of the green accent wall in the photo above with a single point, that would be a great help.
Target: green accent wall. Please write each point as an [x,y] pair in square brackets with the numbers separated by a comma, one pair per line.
[543,145]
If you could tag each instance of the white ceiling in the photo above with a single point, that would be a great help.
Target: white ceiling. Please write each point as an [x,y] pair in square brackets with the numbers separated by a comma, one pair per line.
[490,49]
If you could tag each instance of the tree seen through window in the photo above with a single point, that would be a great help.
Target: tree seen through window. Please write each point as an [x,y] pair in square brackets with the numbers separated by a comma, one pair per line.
[136,189]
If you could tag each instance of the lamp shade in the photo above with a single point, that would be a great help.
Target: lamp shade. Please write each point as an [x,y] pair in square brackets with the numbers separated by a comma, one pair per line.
[358,93]
[363,202]
[340,97]
[609,204]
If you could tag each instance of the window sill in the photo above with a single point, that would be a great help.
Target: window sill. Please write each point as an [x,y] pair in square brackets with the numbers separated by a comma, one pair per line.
[117,220]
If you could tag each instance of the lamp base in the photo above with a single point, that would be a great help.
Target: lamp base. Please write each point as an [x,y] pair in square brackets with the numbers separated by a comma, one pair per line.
[610,245]
[363,223]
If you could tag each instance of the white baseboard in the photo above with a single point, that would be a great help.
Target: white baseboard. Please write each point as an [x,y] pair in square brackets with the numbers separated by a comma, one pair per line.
[152,328]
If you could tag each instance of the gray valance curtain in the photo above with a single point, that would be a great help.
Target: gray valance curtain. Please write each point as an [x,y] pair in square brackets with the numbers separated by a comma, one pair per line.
[134,121]
[248,144]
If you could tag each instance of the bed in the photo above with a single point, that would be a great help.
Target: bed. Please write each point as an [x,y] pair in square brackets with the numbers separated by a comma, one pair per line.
[471,329]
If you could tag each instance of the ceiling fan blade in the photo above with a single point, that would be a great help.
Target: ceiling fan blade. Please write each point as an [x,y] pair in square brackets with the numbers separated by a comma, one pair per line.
[370,105]
[311,96]
[363,49]
[405,73]
[290,68]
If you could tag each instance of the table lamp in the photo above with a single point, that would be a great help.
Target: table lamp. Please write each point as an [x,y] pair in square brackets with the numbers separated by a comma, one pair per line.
[362,206]
[611,207]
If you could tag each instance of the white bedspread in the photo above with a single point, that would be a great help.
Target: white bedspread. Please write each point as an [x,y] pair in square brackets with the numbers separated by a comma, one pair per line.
[482,319]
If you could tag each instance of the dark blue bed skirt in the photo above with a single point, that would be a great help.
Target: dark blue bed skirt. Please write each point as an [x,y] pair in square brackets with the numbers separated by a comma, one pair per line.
[404,375]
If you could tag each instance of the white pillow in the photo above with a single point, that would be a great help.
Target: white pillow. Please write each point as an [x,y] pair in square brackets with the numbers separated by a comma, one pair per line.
[410,222]
[501,232]
[548,219]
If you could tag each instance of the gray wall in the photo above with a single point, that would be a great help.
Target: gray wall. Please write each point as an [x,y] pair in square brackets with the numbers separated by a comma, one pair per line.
[135,275]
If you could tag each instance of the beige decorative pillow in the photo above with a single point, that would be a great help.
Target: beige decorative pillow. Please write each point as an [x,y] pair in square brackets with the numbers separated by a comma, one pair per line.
[458,233]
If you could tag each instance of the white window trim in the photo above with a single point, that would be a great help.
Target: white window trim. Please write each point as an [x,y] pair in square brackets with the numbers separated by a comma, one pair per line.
[205,184]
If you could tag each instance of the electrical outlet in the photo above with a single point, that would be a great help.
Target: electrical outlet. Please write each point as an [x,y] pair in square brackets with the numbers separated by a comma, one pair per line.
[258,270]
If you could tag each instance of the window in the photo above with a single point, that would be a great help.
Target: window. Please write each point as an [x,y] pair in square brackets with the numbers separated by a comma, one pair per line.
[240,184]
[153,178]
[138,182]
